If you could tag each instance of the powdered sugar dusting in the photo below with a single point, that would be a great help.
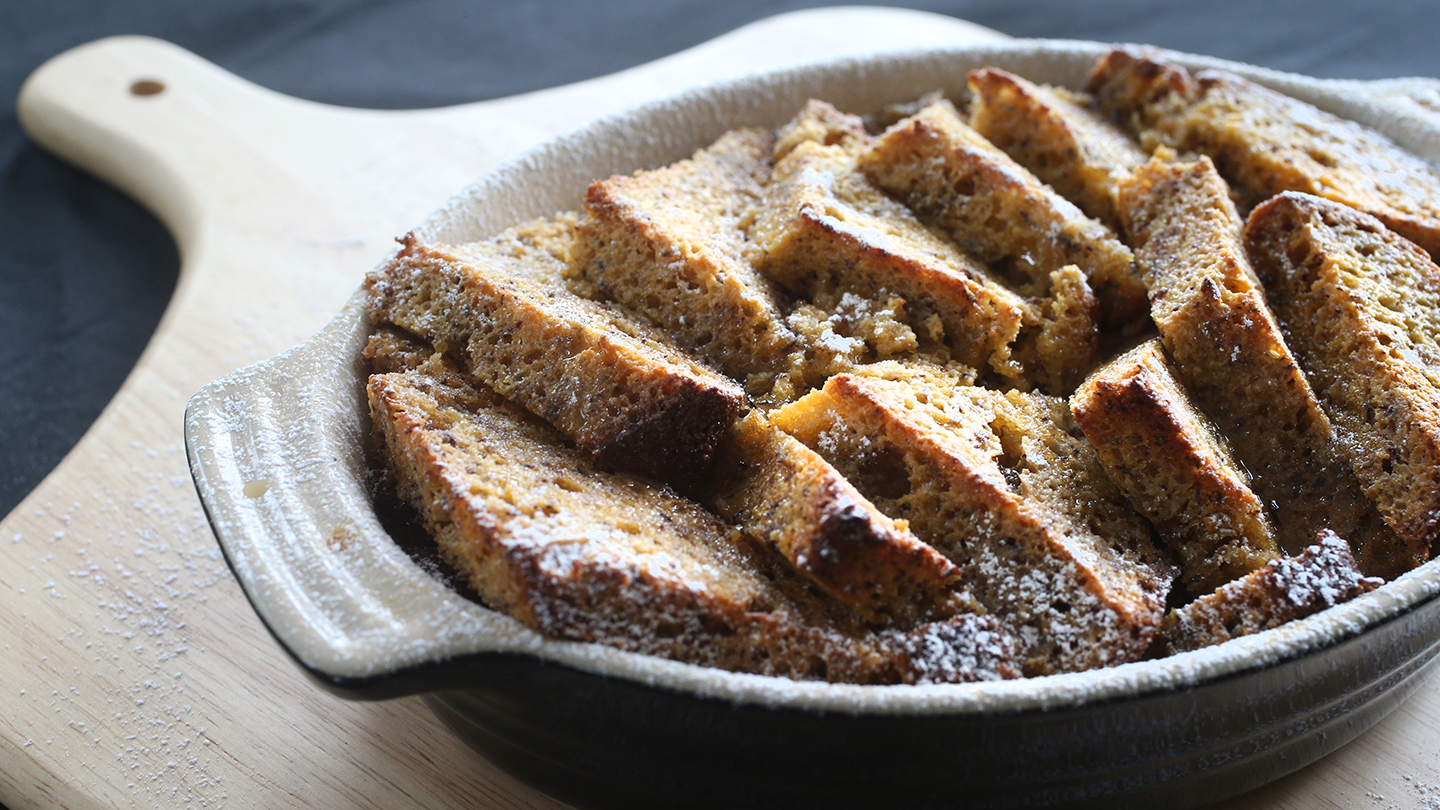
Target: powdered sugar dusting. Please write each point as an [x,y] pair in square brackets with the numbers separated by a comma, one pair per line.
[1325,576]
[119,678]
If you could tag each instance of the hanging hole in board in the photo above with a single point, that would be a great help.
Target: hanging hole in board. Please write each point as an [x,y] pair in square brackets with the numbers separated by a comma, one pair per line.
[147,87]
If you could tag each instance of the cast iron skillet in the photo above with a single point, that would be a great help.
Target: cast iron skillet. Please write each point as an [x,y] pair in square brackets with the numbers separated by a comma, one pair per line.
[605,728]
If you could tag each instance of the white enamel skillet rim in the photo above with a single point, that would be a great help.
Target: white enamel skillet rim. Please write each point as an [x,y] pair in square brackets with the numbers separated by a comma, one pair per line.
[276,449]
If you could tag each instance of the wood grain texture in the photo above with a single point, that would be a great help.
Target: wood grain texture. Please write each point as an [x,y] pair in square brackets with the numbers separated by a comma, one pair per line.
[134,671]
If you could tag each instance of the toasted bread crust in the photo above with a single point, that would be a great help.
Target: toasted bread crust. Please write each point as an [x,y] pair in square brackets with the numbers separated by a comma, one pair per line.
[667,244]
[581,554]
[822,225]
[1137,91]
[634,402]
[1265,143]
[998,211]
[1362,307]
[1322,575]
[992,483]
[784,493]
[1230,354]
[1067,145]
[1177,472]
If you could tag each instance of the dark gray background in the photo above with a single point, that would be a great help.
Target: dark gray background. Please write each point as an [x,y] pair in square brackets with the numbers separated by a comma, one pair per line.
[85,273]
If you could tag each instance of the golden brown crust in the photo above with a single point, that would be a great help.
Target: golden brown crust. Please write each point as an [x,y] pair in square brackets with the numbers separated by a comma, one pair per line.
[1324,574]
[1177,472]
[998,211]
[1362,308]
[1136,90]
[668,245]
[612,387]
[782,492]
[994,483]
[1230,354]
[581,554]
[1265,143]
[1053,134]
[823,226]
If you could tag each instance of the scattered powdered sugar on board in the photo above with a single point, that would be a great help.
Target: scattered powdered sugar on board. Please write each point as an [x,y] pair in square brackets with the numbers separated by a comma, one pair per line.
[121,573]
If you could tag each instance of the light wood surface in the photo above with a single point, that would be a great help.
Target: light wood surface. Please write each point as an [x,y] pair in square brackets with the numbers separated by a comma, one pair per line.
[134,672]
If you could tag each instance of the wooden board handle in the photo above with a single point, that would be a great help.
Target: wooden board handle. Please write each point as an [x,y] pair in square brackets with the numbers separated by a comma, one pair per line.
[139,113]
[188,139]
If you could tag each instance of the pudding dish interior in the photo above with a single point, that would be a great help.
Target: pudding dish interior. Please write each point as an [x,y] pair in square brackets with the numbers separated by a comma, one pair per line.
[1029,381]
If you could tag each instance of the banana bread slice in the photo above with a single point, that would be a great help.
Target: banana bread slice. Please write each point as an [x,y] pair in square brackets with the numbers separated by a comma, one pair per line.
[1230,354]
[998,211]
[1361,305]
[998,483]
[668,244]
[578,553]
[1177,471]
[782,492]
[1323,575]
[1265,142]
[821,123]
[823,226]
[1055,134]
[611,385]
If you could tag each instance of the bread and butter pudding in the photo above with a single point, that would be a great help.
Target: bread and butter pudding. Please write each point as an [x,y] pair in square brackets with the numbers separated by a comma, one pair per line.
[977,388]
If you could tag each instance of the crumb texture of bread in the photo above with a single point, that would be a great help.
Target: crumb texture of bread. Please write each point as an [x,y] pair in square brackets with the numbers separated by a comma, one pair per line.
[819,122]
[390,348]
[996,483]
[782,492]
[998,211]
[1065,341]
[823,227]
[1289,588]
[844,332]
[1362,307]
[1264,142]
[1229,352]
[582,554]
[611,386]
[1175,468]
[668,245]
[541,247]
[1056,135]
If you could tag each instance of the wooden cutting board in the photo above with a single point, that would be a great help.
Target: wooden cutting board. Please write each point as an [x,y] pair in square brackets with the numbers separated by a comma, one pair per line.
[134,671]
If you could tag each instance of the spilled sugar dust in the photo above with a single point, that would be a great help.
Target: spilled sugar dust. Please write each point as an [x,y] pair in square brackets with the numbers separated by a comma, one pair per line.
[111,580]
